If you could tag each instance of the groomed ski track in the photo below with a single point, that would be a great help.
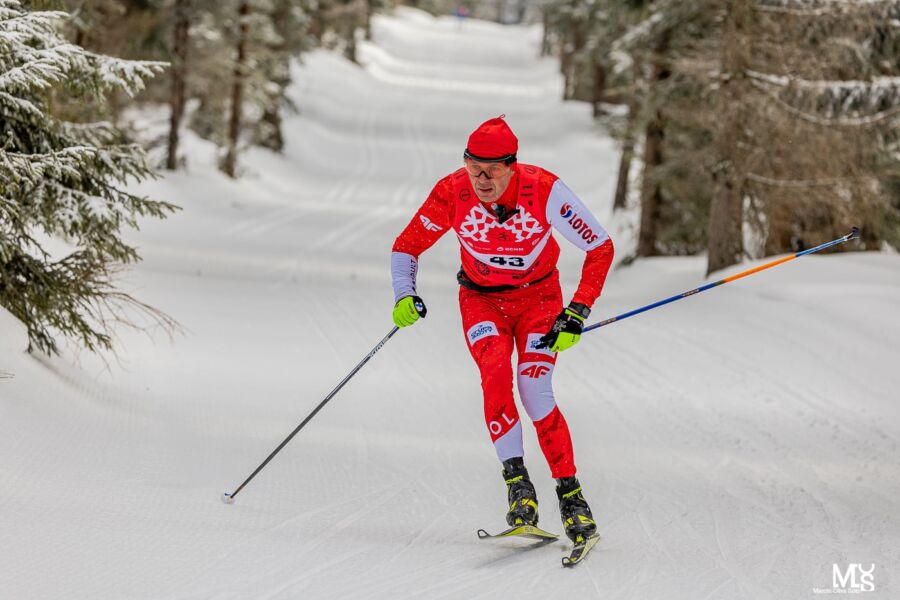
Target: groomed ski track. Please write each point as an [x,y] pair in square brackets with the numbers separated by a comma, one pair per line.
[733,445]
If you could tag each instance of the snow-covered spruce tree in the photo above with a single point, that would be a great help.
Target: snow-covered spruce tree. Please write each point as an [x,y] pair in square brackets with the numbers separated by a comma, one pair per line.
[826,77]
[65,180]
[289,37]
[180,36]
[669,56]
[571,22]
[779,118]
[266,35]
[615,77]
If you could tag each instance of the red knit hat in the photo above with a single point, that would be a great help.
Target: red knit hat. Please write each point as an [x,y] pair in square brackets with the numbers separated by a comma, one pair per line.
[493,140]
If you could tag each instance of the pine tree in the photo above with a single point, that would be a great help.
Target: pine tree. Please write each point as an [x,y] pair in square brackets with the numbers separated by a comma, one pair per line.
[286,39]
[654,137]
[236,109]
[267,35]
[825,81]
[344,18]
[619,78]
[667,56]
[777,124]
[65,180]
[181,27]
[726,245]
[572,22]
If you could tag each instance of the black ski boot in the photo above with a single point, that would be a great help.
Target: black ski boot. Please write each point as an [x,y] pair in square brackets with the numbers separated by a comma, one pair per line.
[520,493]
[574,510]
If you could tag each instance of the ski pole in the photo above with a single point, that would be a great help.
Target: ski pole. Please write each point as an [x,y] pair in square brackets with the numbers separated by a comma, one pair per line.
[229,498]
[854,233]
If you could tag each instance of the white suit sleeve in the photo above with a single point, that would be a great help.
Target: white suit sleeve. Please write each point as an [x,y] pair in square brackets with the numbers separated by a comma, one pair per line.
[569,215]
[403,274]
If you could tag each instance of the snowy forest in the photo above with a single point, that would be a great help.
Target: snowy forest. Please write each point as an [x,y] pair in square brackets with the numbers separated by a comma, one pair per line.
[200,209]
[747,129]
[773,122]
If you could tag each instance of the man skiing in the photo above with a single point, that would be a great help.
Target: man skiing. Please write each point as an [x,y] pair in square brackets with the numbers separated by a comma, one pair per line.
[502,213]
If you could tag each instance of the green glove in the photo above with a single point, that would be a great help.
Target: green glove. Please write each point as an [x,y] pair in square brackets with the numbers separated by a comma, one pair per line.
[567,328]
[408,310]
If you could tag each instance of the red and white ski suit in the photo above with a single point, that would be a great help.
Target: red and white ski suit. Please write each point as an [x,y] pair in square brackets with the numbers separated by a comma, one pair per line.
[519,252]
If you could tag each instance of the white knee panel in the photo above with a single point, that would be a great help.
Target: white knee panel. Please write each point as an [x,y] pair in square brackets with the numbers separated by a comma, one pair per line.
[535,381]
[509,445]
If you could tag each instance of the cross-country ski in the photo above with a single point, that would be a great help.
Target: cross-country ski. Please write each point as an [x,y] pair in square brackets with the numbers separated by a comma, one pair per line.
[527,531]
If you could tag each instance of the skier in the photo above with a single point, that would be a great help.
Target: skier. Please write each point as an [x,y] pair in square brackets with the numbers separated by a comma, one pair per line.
[509,296]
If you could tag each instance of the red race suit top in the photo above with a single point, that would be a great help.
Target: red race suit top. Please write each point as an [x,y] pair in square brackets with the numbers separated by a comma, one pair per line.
[516,252]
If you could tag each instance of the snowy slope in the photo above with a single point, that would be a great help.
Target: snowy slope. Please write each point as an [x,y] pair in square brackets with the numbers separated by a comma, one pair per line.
[733,445]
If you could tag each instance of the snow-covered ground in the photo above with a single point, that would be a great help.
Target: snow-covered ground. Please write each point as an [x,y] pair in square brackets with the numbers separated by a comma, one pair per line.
[733,445]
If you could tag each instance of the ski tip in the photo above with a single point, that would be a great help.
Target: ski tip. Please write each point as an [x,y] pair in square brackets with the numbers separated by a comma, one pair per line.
[854,233]
[520,531]
[580,551]
[226,498]
[573,559]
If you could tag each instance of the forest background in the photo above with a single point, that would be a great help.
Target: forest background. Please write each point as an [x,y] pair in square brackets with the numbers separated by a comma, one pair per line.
[748,127]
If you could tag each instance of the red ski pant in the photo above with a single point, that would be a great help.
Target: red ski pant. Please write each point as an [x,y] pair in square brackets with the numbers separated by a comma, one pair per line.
[494,324]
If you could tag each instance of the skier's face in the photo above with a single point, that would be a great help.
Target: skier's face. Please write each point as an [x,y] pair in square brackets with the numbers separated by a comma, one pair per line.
[489,179]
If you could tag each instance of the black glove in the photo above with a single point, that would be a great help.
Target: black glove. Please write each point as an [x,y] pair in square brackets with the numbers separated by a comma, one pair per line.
[567,328]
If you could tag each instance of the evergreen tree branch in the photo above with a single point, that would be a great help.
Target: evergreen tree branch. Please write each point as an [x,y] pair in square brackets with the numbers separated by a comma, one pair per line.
[69,181]
[867,121]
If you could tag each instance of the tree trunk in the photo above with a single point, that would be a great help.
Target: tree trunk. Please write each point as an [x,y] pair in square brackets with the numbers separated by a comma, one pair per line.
[566,67]
[369,11]
[779,225]
[237,91]
[179,75]
[274,140]
[521,8]
[350,47]
[725,236]
[571,52]
[599,89]
[566,59]
[621,199]
[317,26]
[545,34]
[271,135]
[651,195]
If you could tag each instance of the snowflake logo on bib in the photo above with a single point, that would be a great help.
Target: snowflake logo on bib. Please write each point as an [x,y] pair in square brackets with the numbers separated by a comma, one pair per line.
[479,222]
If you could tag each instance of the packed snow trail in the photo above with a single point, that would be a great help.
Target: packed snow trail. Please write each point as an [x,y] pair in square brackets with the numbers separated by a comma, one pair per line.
[733,445]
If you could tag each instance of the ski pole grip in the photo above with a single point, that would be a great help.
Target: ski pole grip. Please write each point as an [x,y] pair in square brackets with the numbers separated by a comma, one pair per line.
[420,308]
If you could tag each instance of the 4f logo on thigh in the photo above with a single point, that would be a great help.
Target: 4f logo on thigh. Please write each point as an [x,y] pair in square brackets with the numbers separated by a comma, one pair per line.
[495,427]
[535,371]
